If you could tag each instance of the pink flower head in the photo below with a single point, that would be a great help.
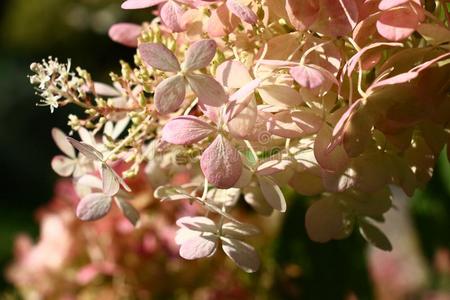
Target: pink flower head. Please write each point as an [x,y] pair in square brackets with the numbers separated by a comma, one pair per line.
[170,93]
[170,11]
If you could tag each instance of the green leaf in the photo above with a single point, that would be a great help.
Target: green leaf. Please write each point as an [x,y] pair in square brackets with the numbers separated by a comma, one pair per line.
[374,236]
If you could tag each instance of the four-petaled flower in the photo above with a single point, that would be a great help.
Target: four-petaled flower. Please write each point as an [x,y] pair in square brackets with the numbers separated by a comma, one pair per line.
[170,93]
[199,237]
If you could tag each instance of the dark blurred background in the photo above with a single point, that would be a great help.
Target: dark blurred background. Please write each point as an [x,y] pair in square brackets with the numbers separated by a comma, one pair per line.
[32,30]
[76,29]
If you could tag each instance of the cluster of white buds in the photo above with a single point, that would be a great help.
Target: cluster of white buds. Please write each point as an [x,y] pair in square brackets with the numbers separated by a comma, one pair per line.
[56,83]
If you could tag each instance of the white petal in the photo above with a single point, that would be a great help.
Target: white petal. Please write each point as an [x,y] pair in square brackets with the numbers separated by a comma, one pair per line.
[110,184]
[90,181]
[199,246]
[242,254]
[87,150]
[197,223]
[272,193]
[184,234]
[63,166]
[234,230]
[63,144]
[93,207]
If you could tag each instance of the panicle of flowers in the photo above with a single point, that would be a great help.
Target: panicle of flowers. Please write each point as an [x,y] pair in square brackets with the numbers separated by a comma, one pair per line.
[338,100]
[56,83]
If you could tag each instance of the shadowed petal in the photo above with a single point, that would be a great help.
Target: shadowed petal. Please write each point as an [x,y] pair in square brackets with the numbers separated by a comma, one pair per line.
[221,163]
[207,89]
[199,55]
[93,207]
[242,254]
[169,94]
[159,57]
[186,130]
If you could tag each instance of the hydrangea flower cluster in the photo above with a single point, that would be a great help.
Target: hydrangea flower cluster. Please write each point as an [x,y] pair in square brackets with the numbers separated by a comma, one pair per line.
[336,99]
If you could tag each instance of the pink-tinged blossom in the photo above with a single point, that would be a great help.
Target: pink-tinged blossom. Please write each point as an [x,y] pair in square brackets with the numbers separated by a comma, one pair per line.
[399,19]
[98,203]
[170,11]
[170,93]
[70,164]
[269,189]
[220,162]
[125,33]
[199,237]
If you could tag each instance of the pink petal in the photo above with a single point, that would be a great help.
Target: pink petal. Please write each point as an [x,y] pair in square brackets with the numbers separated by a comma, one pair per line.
[388,4]
[324,220]
[138,4]
[243,123]
[302,13]
[207,89]
[245,91]
[280,95]
[199,55]
[353,61]
[125,33]
[221,163]
[221,22]
[233,74]
[63,144]
[281,124]
[397,79]
[159,57]
[334,160]
[169,94]
[199,246]
[340,18]
[243,12]
[272,193]
[242,254]
[186,130]
[338,130]
[308,121]
[128,211]
[171,14]
[93,207]
[308,76]
[63,166]
[398,24]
